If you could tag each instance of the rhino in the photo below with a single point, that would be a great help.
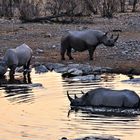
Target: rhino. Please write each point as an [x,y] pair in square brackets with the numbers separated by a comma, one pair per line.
[104,97]
[20,56]
[85,40]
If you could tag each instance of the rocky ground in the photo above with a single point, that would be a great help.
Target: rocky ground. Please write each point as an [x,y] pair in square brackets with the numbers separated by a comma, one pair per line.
[44,39]
[94,138]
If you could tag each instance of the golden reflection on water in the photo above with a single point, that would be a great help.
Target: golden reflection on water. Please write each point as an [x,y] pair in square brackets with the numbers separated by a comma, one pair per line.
[19,121]
[45,117]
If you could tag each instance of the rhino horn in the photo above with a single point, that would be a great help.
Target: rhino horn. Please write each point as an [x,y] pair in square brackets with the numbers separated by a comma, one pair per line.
[111,36]
[69,97]
[115,39]
[75,96]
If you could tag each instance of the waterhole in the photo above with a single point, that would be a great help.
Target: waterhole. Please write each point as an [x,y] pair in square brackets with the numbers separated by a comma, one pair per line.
[38,109]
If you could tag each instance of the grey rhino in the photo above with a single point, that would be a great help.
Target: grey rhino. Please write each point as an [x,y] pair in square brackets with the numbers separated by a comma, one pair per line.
[84,40]
[20,56]
[104,97]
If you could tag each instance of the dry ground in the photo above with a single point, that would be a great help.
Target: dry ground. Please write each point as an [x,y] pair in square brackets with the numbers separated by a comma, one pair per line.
[124,57]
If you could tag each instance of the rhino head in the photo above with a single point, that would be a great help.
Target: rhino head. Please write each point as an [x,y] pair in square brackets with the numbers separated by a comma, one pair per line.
[109,41]
[76,101]
[3,68]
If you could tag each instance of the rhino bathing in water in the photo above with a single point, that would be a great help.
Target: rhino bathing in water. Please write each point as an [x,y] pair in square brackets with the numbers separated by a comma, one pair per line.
[103,97]
[20,56]
[85,40]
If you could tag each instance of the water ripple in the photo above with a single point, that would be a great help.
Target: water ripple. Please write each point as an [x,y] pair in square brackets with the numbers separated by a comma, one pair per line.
[29,111]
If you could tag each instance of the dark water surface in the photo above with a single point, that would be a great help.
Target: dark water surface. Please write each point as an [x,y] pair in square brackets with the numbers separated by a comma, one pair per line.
[32,112]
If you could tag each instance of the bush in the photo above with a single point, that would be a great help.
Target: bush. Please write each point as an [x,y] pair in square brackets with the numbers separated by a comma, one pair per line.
[29,9]
[108,8]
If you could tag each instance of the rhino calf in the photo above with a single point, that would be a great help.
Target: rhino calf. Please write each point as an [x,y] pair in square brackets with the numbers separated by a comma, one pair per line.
[84,40]
[20,56]
[103,97]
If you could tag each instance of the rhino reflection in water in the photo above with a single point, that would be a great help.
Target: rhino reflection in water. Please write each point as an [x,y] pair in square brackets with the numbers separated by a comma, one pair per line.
[103,97]
[20,56]
[85,40]
[17,90]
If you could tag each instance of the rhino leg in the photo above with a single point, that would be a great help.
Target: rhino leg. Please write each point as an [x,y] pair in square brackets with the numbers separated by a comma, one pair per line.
[25,70]
[91,51]
[28,64]
[64,46]
[69,53]
[63,54]
[63,50]
[12,71]
[26,67]
[27,79]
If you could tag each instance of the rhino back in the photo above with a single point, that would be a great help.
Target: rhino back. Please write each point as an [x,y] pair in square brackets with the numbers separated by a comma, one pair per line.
[105,98]
[89,36]
[24,54]
[112,98]
[131,98]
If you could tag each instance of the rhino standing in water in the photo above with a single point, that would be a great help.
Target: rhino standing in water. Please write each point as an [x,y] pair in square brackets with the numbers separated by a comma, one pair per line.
[84,40]
[103,97]
[20,56]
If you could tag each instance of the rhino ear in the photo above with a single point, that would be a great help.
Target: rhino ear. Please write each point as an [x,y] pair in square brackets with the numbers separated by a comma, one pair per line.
[86,95]
[111,36]
[69,97]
